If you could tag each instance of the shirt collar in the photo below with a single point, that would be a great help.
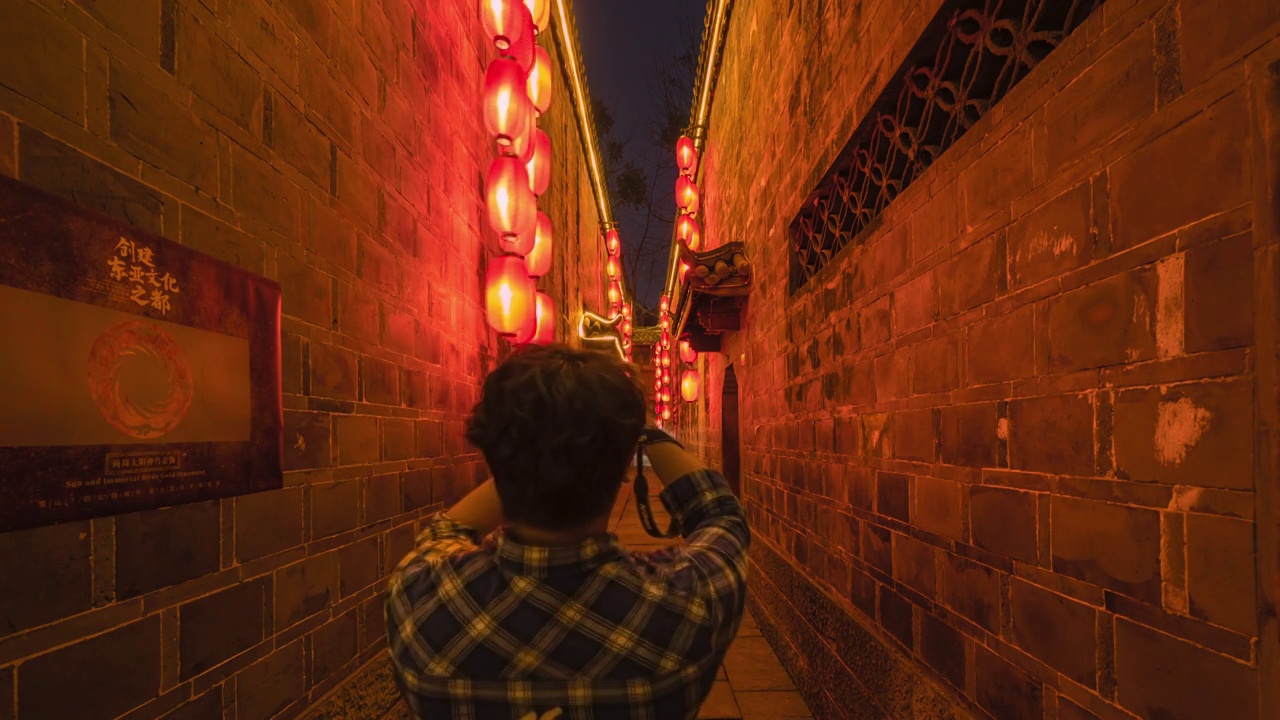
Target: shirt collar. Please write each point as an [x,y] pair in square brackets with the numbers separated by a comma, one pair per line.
[542,561]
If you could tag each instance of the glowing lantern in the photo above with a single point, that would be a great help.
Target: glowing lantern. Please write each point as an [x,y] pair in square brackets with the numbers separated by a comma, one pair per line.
[539,257]
[506,105]
[665,322]
[690,383]
[686,156]
[612,242]
[666,413]
[626,310]
[666,358]
[657,384]
[687,354]
[501,20]
[539,82]
[615,293]
[522,50]
[545,334]
[666,397]
[686,194]
[626,324]
[538,162]
[509,297]
[611,267]
[689,233]
[662,306]
[510,203]
[519,146]
[541,11]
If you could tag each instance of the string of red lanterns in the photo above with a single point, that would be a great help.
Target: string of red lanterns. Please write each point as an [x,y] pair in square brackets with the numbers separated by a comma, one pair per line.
[517,90]
[689,233]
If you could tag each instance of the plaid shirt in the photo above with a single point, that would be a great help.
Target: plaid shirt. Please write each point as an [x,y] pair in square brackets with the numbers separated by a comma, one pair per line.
[504,630]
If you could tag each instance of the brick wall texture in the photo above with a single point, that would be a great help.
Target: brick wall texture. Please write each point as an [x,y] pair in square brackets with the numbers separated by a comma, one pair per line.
[335,146]
[1015,455]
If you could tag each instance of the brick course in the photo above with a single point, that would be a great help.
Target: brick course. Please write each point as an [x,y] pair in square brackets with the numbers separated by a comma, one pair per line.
[338,149]
[1043,374]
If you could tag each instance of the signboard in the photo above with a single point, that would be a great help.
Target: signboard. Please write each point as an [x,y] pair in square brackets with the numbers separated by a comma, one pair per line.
[134,372]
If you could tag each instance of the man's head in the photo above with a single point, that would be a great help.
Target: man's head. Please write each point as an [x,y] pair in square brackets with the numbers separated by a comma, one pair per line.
[558,428]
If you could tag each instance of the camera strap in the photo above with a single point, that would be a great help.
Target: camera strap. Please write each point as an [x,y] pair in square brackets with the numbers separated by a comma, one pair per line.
[641,491]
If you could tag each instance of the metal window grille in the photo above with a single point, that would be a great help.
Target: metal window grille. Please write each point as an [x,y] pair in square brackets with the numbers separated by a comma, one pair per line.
[969,57]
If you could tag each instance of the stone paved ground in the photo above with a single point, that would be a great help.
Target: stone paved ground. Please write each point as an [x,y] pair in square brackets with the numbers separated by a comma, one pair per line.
[752,683]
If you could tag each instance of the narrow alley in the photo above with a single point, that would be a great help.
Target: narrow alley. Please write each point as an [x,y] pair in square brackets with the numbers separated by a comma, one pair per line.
[972,305]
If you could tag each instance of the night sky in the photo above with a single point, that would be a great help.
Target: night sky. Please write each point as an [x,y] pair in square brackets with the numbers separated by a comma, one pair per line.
[622,41]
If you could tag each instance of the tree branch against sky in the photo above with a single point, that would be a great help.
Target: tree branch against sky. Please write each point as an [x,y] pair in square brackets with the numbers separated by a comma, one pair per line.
[639,160]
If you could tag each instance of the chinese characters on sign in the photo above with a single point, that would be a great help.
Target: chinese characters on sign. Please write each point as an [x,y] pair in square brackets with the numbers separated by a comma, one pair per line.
[132,267]
[138,373]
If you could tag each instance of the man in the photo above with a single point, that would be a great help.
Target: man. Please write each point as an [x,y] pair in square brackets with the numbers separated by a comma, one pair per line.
[548,616]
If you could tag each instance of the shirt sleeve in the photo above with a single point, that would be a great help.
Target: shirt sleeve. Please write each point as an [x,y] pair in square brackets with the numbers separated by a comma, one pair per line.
[715,530]
[441,538]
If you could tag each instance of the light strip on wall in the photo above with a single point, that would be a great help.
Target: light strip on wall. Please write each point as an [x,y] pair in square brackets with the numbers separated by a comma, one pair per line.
[586,125]
[702,109]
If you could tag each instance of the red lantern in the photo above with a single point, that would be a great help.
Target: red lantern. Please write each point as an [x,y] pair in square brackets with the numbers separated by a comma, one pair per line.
[625,325]
[506,104]
[690,383]
[539,257]
[517,244]
[545,334]
[686,156]
[611,267]
[612,242]
[509,297]
[539,82]
[615,293]
[666,358]
[666,413]
[508,199]
[519,146]
[662,306]
[687,354]
[626,311]
[501,20]
[657,383]
[541,11]
[689,232]
[686,195]
[665,322]
[538,163]
[522,50]
[666,397]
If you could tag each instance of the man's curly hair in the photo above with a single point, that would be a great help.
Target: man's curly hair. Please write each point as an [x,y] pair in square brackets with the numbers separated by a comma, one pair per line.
[558,428]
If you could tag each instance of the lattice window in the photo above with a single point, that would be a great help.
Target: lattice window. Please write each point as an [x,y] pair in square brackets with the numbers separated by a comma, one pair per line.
[972,53]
